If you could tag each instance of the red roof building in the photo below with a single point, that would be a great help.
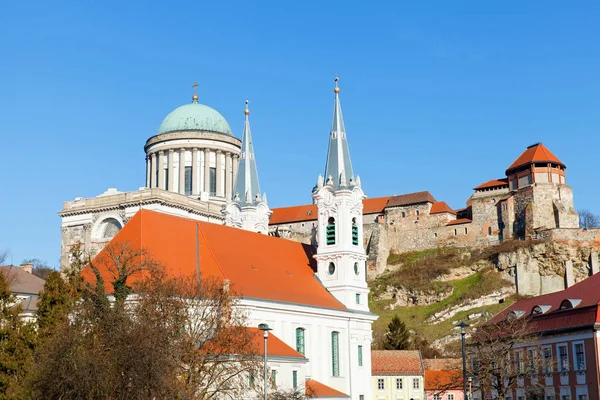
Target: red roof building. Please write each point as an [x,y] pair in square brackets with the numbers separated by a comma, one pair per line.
[566,328]
[397,374]
[536,164]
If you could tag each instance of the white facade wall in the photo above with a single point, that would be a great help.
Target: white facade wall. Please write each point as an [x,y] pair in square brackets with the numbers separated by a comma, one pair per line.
[354,330]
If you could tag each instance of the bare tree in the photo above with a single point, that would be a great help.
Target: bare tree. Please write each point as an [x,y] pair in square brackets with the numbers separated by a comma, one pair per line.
[588,220]
[443,381]
[162,337]
[502,353]
[3,256]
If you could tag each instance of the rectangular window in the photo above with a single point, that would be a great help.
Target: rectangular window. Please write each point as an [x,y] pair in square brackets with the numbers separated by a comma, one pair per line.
[295,379]
[437,397]
[361,397]
[398,383]
[212,180]
[563,358]
[357,298]
[167,180]
[380,384]
[565,397]
[156,178]
[547,354]
[579,357]
[250,379]
[532,360]
[415,383]
[274,377]
[583,397]
[335,354]
[360,360]
[450,397]
[330,231]
[519,362]
[188,181]
[300,341]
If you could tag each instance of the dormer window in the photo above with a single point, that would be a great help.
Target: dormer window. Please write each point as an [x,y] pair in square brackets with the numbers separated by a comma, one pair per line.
[354,232]
[569,303]
[539,310]
[330,231]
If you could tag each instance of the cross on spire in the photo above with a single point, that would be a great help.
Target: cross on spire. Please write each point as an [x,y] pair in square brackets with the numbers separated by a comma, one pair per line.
[195,96]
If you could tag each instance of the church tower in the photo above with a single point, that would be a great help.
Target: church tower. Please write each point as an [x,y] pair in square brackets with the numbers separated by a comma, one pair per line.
[340,252]
[247,209]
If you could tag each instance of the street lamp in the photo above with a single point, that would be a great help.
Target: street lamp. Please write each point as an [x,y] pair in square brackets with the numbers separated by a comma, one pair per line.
[265,328]
[463,331]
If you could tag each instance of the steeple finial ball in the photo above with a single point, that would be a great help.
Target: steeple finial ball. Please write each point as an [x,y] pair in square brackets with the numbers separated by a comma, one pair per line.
[246,111]
[336,89]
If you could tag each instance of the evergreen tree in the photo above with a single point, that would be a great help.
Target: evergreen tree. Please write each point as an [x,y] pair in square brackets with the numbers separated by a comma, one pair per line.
[17,343]
[397,336]
[56,300]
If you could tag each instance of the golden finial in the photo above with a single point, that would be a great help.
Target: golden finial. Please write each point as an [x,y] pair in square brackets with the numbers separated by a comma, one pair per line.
[246,111]
[195,96]
[336,89]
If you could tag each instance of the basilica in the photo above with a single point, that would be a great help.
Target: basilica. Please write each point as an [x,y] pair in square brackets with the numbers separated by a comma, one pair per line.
[202,193]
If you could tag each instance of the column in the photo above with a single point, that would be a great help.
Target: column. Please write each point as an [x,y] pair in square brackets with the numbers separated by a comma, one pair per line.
[228,177]
[160,168]
[219,166]
[195,176]
[153,170]
[182,171]
[207,170]
[236,160]
[171,172]
[148,169]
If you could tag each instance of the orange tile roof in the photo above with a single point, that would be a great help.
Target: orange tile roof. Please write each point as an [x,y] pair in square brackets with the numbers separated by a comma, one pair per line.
[308,212]
[442,364]
[448,380]
[459,221]
[410,198]
[535,153]
[441,207]
[396,362]
[275,346]
[317,389]
[257,266]
[492,184]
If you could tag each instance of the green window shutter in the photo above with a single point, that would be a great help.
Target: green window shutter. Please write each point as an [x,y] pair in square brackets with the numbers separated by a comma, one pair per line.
[295,379]
[330,233]
[335,354]
[354,234]
[300,341]
[360,360]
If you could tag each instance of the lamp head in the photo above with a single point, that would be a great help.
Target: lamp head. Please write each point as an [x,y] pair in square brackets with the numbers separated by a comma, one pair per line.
[462,326]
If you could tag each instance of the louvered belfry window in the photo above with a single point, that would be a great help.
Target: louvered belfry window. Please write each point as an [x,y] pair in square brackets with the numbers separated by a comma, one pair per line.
[330,231]
[354,232]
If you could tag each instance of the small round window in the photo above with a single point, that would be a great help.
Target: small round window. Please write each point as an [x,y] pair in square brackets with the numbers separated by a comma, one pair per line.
[356,268]
[331,268]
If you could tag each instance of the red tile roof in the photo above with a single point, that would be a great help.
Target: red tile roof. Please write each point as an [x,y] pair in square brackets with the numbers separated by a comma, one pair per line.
[316,389]
[275,346]
[584,313]
[410,198]
[535,153]
[442,364]
[257,266]
[396,362]
[308,212]
[494,183]
[459,221]
[446,380]
[441,207]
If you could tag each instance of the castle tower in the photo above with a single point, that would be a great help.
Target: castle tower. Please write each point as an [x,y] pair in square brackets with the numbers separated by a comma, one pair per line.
[247,209]
[340,252]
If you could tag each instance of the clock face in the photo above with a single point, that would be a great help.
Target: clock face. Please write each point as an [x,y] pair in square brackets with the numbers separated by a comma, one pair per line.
[328,198]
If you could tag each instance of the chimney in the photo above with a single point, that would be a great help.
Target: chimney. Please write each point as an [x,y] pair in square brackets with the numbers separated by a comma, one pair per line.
[27,267]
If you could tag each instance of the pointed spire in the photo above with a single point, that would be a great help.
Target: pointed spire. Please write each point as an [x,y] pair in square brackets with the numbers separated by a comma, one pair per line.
[195,95]
[246,181]
[338,165]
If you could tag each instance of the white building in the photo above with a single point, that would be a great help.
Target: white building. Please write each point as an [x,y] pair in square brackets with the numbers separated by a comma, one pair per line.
[315,301]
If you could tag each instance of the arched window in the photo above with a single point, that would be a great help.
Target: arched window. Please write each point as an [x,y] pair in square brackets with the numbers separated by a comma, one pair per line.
[335,353]
[330,231]
[109,228]
[354,232]
[356,271]
[489,230]
[300,341]
[403,214]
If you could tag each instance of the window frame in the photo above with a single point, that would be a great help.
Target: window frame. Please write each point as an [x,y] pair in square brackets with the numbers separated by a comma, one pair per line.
[187,180]
[335,354]
[561,366]
[301,340]
[416,383]
[380,384]
[547,362]
[576,362]
[399,384]
[360,355]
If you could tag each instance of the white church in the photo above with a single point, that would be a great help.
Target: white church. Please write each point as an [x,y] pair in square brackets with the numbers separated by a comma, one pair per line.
[202,193]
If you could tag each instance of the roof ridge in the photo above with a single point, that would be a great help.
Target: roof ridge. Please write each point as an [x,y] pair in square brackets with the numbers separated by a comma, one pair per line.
[210,251]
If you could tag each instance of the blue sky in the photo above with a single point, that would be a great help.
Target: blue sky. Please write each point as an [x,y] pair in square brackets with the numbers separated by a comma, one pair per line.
[437,96]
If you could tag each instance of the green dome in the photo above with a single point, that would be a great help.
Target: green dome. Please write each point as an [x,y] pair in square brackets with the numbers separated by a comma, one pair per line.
[194,117]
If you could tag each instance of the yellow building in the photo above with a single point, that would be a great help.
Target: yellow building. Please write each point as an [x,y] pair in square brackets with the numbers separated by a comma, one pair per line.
[397,375]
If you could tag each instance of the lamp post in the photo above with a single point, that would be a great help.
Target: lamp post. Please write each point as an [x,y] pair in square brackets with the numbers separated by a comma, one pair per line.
[463,331]
[470,386]
[265,328]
